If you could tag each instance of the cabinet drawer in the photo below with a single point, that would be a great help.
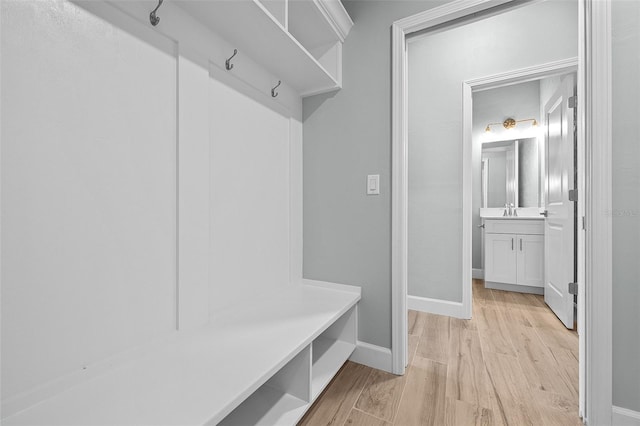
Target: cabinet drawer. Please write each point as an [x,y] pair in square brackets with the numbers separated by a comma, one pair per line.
[514,226]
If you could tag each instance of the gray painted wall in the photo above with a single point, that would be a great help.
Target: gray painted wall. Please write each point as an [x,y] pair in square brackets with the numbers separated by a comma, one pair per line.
[493,106]
[347,234]
[626,204]
[438,64]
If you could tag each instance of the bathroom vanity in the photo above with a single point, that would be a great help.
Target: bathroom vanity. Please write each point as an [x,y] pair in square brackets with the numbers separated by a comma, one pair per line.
[514,254]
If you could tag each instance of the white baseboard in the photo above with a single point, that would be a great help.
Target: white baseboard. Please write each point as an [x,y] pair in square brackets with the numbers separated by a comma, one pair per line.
[624,417]
[514,287]
[372,356]
[435,306]
[477,274]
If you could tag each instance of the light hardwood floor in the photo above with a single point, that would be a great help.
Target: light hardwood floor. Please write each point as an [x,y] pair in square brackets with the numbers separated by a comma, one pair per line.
[514,363]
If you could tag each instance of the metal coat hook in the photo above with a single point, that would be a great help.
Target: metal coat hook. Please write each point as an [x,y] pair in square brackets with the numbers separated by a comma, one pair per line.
[273,91]
[152,16]
[228,65]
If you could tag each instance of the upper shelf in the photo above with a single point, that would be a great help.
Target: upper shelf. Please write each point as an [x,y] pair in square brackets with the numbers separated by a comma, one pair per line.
[316,23]
[265,34]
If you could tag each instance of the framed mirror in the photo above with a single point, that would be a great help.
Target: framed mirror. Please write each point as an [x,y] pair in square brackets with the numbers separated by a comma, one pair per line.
[511,173]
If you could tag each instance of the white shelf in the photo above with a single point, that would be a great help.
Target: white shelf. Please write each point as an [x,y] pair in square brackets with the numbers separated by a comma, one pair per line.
[267,406]
[257,33]
[277,9]
[328,357]
[309,25]
[199,377]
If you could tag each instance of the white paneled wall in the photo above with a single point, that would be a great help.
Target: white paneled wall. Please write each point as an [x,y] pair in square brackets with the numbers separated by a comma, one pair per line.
[249,197]
[152,215]
[88,189]
[144,188]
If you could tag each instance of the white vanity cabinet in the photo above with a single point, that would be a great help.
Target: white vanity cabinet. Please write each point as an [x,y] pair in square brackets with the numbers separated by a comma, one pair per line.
[514,254]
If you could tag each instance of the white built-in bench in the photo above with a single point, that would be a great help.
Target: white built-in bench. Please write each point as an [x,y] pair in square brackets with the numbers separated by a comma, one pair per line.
[263,363]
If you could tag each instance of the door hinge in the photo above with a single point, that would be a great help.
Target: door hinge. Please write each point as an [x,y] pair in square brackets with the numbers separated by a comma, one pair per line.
[573,102]
[573,195]
[573,288]
[584,223]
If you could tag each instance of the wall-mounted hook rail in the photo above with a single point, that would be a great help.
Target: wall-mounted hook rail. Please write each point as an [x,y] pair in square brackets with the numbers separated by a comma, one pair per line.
[273,91]
[228,65]
[152,16]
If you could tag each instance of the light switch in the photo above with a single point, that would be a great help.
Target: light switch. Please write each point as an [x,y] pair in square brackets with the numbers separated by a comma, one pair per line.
[373,185]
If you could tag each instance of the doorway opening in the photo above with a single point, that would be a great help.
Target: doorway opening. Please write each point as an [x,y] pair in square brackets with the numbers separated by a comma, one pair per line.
[594,130]
[439,19]
[524,185]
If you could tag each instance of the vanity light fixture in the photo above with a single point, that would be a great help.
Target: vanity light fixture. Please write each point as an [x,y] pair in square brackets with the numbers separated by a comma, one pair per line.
[510,123]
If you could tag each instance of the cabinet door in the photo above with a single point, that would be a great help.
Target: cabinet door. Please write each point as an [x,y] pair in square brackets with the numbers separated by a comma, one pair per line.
[531,260]
[500,258]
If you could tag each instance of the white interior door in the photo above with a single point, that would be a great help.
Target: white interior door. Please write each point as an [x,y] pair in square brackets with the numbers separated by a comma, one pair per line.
[559,224]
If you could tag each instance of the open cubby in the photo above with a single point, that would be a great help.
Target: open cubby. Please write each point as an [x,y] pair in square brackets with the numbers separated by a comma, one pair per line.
[283,399]
[331,349]
[261,363]
[310,25]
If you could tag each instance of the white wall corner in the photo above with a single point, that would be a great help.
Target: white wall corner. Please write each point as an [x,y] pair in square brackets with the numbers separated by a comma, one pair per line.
[477,274]
[435,306]
[372,356]
[333,286]
[624,417]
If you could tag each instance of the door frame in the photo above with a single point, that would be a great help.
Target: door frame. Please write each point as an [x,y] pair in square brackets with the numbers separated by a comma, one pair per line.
[536,72]
[594,129]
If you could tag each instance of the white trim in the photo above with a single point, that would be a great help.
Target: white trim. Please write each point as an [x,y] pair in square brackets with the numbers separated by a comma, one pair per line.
[437,306]
[372,356]
[517,288]
[467,200]
[477,274]
[598,280]
[522,75]
[295,200]
[624,417]
[580,185]
[399,198]
[337,17]
[445,13]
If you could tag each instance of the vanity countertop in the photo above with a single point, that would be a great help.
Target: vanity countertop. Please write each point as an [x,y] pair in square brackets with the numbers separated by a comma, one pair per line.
[522,213]
[513,217]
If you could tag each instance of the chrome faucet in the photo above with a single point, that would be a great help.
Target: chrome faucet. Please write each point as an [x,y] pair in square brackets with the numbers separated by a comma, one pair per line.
[509,210]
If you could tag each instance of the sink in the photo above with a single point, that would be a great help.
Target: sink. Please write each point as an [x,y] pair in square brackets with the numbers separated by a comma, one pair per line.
[523,213]
[514,217]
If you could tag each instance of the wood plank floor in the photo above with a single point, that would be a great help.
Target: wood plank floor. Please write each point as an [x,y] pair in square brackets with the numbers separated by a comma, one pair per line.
[514,363]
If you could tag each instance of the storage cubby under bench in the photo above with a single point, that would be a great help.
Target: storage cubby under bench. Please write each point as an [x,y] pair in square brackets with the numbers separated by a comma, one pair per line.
[261,363]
